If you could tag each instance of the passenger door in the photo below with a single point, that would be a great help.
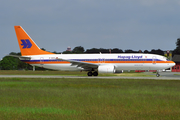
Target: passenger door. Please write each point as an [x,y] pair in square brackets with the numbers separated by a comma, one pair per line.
[154,60]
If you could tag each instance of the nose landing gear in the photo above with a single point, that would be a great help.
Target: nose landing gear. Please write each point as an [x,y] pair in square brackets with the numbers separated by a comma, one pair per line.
[157,74]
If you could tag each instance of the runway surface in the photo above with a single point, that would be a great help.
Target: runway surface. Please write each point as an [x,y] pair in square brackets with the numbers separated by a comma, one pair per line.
[164,76]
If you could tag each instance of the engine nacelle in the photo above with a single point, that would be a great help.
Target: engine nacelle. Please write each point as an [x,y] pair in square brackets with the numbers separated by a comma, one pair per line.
[106,69]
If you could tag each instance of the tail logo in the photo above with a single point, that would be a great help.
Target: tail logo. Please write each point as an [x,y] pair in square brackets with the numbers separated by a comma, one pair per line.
[26,43]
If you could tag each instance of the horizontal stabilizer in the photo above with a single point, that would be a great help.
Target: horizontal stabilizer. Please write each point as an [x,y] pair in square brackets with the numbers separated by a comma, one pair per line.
[20,57]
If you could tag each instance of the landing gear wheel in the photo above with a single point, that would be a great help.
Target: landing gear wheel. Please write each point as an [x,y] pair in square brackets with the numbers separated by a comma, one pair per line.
[95,73]
[157,75]
[89,73]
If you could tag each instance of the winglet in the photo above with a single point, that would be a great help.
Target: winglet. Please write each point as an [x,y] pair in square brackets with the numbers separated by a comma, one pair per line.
[26,44]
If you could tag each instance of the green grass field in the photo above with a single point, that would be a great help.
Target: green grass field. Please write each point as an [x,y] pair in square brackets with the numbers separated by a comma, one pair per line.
[89,99]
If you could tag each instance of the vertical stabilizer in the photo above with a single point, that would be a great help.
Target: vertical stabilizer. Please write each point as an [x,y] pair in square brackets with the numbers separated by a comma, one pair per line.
[26,44]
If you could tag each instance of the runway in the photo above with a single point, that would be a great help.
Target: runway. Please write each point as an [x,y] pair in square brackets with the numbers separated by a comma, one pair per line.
[164,76]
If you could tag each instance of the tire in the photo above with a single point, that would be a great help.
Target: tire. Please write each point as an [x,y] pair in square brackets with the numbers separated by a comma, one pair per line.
[157,75]
[95,73]
[89,74]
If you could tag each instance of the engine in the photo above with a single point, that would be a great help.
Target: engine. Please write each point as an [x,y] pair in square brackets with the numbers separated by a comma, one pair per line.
[106,69]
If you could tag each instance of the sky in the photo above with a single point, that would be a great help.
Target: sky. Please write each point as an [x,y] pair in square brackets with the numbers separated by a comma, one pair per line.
[123,24]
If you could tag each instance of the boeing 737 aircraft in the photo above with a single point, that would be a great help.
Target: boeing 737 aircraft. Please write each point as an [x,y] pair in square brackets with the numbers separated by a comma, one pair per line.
[92,63]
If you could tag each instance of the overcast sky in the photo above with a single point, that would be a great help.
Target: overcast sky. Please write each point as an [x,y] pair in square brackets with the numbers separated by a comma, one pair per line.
[124,24]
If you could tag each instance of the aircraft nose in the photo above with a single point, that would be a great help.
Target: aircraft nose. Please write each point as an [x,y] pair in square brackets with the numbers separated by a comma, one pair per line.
[172,63]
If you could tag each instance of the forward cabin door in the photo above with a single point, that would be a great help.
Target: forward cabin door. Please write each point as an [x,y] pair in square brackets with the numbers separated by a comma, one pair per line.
[154,60]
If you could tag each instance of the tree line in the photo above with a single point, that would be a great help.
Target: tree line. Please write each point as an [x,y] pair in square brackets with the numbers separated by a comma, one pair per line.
[80,50]
[12,63]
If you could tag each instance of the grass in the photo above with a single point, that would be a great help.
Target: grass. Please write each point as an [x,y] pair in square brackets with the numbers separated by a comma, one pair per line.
[176,74]
[79,99]
[47,72]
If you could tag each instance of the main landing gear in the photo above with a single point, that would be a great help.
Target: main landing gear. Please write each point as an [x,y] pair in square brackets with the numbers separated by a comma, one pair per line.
[90,73]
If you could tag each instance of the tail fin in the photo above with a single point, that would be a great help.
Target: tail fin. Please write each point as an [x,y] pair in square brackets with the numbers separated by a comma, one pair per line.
[26,44]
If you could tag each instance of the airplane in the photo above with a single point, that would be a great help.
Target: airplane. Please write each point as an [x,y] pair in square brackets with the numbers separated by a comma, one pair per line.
[92,63]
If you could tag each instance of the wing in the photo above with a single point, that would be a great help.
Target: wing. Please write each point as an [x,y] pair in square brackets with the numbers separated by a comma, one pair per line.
[85,65]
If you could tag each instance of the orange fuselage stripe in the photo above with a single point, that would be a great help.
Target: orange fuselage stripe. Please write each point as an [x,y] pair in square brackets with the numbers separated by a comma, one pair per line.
[97,62]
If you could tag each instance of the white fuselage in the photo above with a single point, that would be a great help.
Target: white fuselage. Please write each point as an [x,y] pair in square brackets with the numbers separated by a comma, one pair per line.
[120,61]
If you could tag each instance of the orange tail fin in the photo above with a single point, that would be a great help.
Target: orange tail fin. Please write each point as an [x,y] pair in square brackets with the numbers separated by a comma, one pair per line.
[26,44]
